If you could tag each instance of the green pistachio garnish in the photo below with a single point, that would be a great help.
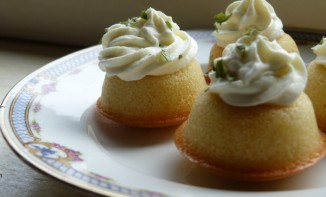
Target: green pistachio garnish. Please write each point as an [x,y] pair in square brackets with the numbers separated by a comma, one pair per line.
[143,15]
[165,55]
[250,32]
[168,24]
[321,41]
[221,17]
[180,56]
[242,51]
[219,69]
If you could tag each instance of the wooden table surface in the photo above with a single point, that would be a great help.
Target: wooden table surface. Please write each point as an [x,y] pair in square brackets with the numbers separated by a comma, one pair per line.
[17,177]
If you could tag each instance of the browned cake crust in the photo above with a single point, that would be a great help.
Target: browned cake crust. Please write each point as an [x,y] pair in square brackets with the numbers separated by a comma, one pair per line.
[143,122]
[243,174]
[154,101]
[286,41]
[316,90]
[255,144]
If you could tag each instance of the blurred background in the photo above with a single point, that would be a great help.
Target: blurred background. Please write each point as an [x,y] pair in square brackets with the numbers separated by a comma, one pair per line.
[82,22]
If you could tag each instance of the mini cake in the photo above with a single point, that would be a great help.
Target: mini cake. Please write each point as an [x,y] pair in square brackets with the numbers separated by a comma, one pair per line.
[316,86]
[152,75]
[254,122]
[244,14]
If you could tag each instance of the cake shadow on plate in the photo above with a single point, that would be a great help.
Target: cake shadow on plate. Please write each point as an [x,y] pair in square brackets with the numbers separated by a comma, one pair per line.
[109,131]
[191,174]
[176,168]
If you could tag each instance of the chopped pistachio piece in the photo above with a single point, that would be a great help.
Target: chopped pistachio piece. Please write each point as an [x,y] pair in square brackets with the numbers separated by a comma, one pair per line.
[180,56]
[321,41]
[250,32]
[143,15]
[242,50]
[168,24]
[165,55]
[219,69]
[221,17]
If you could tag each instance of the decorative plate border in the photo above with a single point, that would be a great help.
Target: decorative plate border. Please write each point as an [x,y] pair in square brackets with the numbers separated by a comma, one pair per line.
[56,156]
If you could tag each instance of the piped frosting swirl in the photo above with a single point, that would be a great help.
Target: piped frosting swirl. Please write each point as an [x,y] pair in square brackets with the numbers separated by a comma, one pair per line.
[258,14]
[255,71]
[320,51]
[151,44]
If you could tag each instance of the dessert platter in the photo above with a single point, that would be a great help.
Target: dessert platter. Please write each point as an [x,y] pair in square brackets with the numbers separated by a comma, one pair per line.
[91,129]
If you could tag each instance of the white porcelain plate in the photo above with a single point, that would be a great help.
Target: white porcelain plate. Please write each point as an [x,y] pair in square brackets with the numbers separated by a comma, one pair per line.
[50,119]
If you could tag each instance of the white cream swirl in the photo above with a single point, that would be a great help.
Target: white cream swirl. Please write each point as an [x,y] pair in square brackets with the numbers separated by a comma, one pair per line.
[149,45]
[320,51]
[258,14]
[258,71]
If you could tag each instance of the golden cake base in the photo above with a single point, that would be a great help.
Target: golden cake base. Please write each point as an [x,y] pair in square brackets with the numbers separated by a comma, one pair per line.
[316,90]
[243,174]
[153,101]
[260,143]
[142,122]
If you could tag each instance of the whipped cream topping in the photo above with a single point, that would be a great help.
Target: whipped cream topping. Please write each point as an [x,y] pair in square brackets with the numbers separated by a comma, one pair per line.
[255,70]
[151,44]
[258,14]
[320,51]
